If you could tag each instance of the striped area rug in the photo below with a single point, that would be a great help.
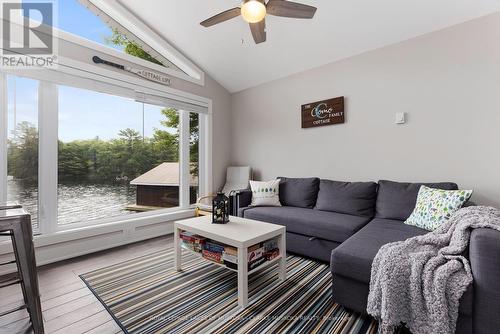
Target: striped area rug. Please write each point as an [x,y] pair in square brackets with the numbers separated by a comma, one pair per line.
[146,295]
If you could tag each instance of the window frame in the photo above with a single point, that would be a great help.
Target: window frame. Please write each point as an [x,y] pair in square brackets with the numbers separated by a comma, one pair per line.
[106,50]
[85,76]
[3,137]
[123,17]
[48,110]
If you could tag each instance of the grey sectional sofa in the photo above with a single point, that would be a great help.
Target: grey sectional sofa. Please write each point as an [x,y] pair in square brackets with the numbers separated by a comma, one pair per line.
[346,223]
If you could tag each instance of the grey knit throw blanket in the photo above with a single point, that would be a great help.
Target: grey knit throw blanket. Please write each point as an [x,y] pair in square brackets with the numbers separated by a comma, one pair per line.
[420,281]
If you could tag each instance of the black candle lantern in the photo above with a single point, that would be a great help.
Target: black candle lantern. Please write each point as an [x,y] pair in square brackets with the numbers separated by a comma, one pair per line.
[220,213]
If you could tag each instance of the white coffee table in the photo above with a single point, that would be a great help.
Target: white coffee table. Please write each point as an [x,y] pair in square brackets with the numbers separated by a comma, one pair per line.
[240,233]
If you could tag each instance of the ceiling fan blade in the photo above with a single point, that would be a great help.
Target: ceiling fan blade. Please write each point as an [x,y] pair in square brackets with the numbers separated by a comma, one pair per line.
[290,9]
[221,17]
[258,31]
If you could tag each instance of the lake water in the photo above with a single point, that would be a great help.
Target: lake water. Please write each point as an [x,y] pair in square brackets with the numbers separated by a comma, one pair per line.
[77,202]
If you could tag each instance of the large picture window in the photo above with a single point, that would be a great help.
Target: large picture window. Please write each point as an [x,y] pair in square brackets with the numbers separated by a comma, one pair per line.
[22,144]
[101,157]
[79,18]
[116,156]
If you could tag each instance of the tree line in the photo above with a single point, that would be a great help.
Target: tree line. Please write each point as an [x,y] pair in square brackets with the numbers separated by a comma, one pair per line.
[96,161]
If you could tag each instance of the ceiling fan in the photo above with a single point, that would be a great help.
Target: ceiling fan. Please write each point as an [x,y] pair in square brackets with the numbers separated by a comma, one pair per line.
[254,12]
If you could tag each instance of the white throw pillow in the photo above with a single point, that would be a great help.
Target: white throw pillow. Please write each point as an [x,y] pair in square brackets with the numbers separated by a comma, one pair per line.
[265,193]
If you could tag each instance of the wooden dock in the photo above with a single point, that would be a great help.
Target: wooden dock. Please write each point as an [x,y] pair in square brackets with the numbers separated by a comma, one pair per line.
[142,208]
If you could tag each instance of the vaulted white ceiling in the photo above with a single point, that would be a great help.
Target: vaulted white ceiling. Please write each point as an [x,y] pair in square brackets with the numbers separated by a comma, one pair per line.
[340,29]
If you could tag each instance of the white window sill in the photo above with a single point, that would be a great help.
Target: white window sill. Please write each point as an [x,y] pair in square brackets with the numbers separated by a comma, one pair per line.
[129,226]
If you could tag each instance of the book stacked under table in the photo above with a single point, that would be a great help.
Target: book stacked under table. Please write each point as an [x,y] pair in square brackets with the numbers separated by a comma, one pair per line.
[228,255]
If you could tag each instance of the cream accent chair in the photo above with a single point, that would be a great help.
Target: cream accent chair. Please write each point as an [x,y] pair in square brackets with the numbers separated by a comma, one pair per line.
[237,178]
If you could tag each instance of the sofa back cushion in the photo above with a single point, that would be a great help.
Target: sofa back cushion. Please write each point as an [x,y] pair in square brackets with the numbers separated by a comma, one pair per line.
[396,200]
[299,192]
[354,198]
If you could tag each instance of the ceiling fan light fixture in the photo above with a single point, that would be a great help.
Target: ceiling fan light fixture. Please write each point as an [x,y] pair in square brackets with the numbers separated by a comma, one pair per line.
[253,11]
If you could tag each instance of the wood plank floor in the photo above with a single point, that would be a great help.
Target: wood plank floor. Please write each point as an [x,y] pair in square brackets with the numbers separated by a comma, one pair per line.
[68,305]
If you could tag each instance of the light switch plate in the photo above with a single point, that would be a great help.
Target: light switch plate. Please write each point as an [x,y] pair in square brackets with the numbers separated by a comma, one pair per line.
[400,118]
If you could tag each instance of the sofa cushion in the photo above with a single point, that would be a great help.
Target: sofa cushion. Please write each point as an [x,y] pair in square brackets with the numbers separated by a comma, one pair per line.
[355,198]
[265,193]
[299,192]
[353,259]
[396,200]
[314,223]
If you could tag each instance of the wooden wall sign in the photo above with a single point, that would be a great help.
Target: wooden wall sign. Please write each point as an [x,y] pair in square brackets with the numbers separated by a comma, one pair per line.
[321,113]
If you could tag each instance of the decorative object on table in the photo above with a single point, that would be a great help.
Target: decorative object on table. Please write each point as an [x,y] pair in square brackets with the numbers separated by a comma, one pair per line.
[220,214]
[16,223]
[326,112]
[237,178]
[265,193]
[435,206]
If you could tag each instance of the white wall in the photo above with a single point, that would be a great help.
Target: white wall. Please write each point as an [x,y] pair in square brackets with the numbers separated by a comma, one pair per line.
[449,84]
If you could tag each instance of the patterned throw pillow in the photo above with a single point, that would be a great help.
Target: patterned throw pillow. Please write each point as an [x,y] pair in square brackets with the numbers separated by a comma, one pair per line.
[435,206]
[265,193]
